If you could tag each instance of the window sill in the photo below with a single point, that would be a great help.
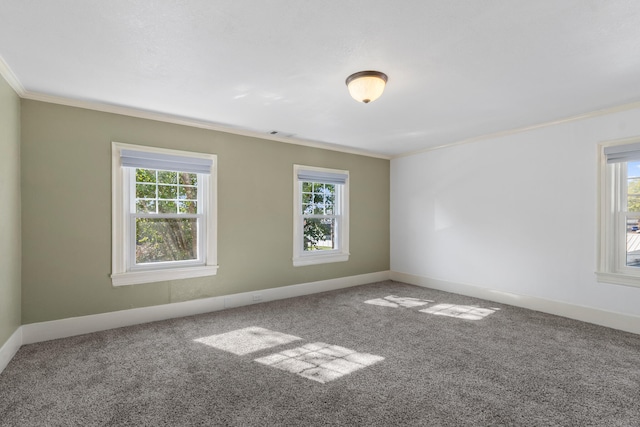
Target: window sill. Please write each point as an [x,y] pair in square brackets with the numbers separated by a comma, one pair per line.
[137,277]
[319,259]
[618,278]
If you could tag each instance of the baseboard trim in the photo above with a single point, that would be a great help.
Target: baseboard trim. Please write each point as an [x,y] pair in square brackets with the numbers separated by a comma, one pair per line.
[610,319]
[44,331]
[10,348]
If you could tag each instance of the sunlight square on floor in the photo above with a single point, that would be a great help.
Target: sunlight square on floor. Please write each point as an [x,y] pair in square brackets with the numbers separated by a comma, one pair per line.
[247,340]
[395,301]
[467,312]
[320,361]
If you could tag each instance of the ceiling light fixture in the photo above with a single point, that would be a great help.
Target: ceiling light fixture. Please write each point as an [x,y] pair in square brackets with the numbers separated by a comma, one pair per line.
[366,86]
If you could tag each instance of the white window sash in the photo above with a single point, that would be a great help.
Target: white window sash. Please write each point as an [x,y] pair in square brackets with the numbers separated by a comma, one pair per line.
[338,232]
[132,264]
[201,249]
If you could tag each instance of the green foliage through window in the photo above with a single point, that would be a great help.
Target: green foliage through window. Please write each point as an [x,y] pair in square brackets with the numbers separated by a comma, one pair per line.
[318,208]
[161,239]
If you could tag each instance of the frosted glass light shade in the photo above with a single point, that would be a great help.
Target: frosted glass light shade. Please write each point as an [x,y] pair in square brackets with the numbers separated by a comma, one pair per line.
[366,86]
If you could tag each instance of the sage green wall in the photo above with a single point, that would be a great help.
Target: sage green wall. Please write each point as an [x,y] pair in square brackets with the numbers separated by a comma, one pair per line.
[66,199]
[10,214]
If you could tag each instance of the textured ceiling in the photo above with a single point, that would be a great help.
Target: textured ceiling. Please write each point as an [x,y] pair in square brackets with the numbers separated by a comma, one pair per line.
[457,69]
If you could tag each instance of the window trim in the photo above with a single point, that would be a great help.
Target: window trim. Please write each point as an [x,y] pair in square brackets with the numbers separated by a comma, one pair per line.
[611,267]
[302,258]
[122,273]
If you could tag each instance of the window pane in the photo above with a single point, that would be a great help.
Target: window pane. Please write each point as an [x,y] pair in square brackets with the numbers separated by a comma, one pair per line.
[166,177]
[185,178]
[146,191]
[167,192]
[307,209]
[188,193]
[307,187]
[188,207]
[319,234]
[633,242]
[164,239]
[145,175]
[633,203]
[331,198]
[633,187]
[167,207]
[146,206]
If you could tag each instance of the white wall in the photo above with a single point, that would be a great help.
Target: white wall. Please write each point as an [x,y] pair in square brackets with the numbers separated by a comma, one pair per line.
[513,214]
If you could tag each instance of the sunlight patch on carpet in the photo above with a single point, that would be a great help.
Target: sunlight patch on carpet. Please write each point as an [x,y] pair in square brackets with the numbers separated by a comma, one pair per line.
[395,301]
[319,361]
[467,312]
[247,340]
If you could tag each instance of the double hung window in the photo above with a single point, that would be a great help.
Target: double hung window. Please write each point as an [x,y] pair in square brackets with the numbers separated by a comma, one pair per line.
[619,256]
[163,216]
[321,215]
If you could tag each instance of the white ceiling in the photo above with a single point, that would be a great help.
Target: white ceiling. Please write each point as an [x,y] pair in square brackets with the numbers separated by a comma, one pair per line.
[458,69]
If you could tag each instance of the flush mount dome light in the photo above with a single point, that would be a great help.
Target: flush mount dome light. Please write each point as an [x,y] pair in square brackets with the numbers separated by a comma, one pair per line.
[366,86]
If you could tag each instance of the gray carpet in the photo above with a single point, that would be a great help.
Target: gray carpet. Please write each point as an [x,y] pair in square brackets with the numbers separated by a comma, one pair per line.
[407,356]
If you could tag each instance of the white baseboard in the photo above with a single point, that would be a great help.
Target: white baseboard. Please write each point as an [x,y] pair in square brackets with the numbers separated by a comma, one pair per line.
[10,348]
[44,331]
[610,319]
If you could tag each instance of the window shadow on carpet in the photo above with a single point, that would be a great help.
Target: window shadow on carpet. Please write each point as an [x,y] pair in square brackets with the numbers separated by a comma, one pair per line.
[317,361]
[247,340]
[320,361]
[467,312]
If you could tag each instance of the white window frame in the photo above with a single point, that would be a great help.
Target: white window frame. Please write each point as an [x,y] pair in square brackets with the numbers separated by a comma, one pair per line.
[612,218]
[123,269]
[341,254]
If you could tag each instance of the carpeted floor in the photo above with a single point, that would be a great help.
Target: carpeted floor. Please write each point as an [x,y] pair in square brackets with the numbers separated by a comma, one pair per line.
[384,354]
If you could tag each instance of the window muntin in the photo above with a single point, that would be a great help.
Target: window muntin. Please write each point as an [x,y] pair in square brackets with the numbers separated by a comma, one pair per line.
[321,226]
[164,214]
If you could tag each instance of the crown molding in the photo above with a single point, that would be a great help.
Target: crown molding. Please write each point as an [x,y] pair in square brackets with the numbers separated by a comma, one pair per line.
[588,115]
[184,121]
[11,78]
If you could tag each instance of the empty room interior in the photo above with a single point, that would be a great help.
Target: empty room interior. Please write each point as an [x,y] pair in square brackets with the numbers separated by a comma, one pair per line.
[320,213]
